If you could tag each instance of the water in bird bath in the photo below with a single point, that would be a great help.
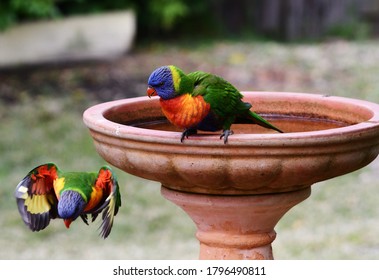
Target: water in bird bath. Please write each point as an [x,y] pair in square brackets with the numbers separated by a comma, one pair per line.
[302,113]
[287,123]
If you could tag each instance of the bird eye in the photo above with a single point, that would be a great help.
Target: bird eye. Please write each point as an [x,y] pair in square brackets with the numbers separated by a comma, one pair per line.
[161,84]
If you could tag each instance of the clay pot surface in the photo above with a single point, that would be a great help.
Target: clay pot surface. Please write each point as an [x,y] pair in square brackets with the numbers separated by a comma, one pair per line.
[236,227]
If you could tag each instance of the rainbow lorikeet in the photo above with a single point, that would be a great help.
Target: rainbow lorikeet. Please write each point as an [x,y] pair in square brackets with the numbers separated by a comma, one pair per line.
[201,101]
[48,193]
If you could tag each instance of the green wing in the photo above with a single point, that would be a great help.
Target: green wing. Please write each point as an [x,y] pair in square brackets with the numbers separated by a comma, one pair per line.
[224,98]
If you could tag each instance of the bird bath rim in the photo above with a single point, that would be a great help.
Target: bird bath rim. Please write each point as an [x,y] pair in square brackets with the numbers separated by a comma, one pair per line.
[249,163]
[369,111]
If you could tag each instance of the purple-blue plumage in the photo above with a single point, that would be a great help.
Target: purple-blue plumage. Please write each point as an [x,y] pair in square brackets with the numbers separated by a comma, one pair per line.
[161,80]
[70,205]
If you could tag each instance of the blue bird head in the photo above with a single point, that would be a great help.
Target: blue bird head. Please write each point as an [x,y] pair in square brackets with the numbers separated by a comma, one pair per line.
[71,204]
[161,83]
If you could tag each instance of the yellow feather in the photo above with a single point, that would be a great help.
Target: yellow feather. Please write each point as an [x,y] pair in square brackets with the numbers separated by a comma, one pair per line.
[37,204]
[58,186]
[175,78]
[111,209]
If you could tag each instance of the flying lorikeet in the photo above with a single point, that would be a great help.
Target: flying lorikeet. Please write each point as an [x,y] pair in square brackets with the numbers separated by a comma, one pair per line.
[48,193]
[201,101]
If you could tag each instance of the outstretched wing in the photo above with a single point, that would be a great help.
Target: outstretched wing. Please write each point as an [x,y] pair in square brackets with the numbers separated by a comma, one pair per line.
[107,181]
[36,198]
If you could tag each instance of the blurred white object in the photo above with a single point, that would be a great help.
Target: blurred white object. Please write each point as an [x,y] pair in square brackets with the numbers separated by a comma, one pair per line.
[101,36]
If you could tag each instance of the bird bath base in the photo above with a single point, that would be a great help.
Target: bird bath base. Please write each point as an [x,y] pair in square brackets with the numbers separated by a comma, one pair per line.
[236,193]
[236,227]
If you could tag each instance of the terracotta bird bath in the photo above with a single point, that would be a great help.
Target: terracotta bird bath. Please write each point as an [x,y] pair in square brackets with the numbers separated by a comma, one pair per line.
[237,192]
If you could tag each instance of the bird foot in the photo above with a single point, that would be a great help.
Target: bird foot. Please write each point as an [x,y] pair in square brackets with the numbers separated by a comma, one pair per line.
[188,132]
[84,218]
[225,134]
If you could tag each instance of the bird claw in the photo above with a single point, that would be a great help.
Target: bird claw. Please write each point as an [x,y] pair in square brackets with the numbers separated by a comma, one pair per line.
[84,218]
[188,132]
[225,134]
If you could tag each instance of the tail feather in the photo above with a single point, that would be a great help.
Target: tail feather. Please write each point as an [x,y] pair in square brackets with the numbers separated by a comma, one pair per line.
[257,119]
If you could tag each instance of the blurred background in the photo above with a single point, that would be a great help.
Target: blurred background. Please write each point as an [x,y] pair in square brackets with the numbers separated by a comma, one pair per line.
[47,80]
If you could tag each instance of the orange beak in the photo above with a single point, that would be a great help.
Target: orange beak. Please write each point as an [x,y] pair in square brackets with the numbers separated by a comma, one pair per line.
[151,91]
[67,222]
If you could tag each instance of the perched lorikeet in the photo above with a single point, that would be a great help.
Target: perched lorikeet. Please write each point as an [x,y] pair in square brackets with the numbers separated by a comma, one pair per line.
[201,101]
[48,193]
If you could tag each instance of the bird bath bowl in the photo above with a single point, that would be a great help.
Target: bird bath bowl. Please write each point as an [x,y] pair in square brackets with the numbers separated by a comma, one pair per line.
[237,192]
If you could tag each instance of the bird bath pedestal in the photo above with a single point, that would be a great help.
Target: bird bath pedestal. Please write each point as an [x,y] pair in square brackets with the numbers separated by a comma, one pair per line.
[237,192]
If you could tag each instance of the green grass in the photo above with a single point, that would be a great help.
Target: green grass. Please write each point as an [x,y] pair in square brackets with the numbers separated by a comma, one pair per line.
[340,220]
